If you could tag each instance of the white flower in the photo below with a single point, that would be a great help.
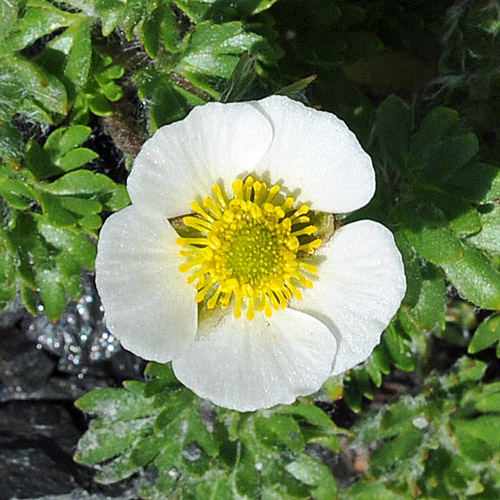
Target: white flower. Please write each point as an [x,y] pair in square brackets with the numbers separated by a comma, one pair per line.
[252,307]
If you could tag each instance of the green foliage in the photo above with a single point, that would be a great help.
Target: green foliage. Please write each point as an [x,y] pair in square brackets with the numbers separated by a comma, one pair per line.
[487,334]
[50,225]
[190,449]
[440,444]
[444,196]
[436,215]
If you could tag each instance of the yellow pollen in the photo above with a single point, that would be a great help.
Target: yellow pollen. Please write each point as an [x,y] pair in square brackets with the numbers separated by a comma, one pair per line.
[247,250]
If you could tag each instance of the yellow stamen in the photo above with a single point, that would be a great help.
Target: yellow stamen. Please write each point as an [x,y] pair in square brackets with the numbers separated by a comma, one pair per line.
[248,248]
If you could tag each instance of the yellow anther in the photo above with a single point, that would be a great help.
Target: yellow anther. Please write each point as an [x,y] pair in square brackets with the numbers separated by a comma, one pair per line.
[293,243]
[237,307]
[196,207]
[251,308]
[247,187]
[304,209]
[212,207]
[308,230]
[288,203]
[191,263]
[238,189]
[212,301]
[226,298]
[302,219]
[219,195]
[197,223]
[273,191]
[308,267]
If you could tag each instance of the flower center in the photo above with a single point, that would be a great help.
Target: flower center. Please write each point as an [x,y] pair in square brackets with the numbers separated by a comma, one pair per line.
[248,247]
[253,253]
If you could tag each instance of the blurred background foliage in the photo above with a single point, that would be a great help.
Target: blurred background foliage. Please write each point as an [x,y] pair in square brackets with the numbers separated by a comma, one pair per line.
[84,82]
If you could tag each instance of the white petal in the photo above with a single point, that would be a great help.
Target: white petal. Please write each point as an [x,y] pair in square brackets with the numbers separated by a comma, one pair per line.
[182,161]
[359,287]
[314,152]
[247,365]
[148,304]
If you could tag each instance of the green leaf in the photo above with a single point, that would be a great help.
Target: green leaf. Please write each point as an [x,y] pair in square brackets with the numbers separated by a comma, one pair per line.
[488,399]
[79,53]
[279,430]
[210,51]
[106,439]
[466,370]
[147,449]
[76,159]
[160,370]
[8,14]
[115,404]
[363,383]
[400,352]
[382,359]
[313,473]
[246,475]
[69,241]
[412,264]
[479,183]
[150,32]
[12,92]
[55,211]
[81,183]
[8,281]
[51,292]
[64,139]
[376,490]
[109,73]
[480,434]
[163,471]
[435,127]
[426,229]
[118,469]
[169,29]
[70,270]
[451,154]
[132,15]
[30,297]
[39,86]
[488,238]
[487,333]
[17,193]
[40,18]
[168,105]
[11,143]
[430,307]
[393,130]
[214,487]
[475,278]
[110,12]
[396,421]
[310,414]
[402,447]
[38,161]
[112,91]
[116,200]
[463,217]
[100,106]
[80,206]
[375,374]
